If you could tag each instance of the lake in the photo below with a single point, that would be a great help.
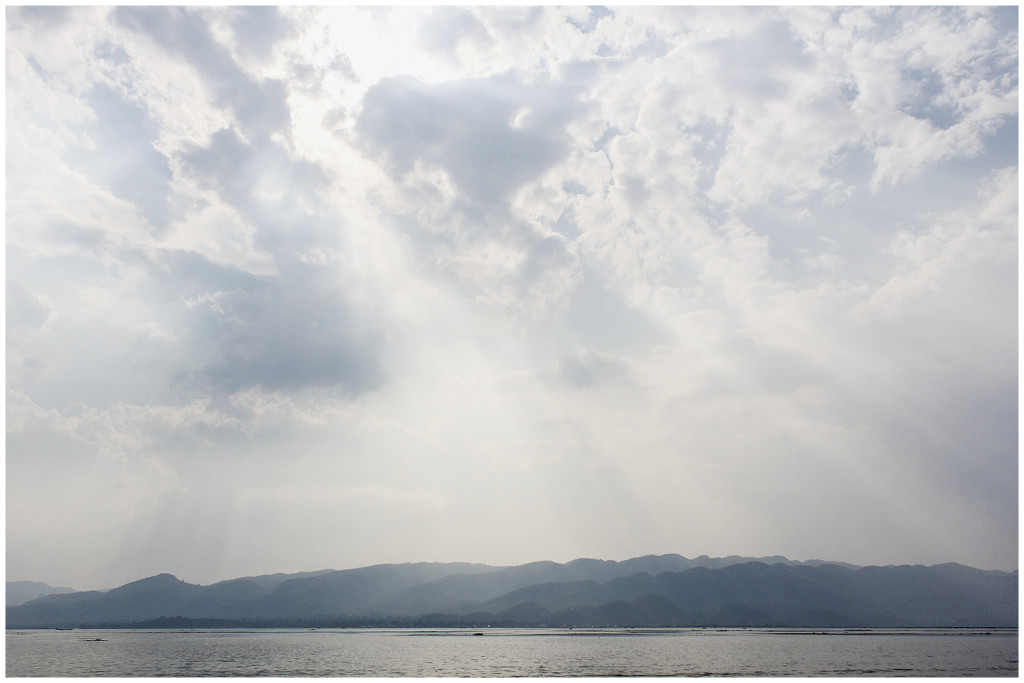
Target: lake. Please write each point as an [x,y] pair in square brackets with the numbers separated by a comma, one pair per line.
[512,652]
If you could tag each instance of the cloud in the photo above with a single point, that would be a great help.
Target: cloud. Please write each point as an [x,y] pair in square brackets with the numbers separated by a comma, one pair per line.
[977,246]
[257,30]
[258,105]
[275,194]
[557,279]
[285,336]
[445,27]
[759,64]
[461,151]
[25,311]
[589,368]
[121,156]
[491,136]
[588,22]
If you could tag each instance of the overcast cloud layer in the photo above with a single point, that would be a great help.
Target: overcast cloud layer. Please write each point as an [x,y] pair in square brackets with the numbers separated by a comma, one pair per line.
[299,288]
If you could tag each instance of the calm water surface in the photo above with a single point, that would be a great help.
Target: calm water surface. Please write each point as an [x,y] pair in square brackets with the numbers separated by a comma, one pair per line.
[512,652]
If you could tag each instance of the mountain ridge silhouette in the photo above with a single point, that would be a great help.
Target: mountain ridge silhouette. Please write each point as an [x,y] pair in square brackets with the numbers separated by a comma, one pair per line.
[653,590]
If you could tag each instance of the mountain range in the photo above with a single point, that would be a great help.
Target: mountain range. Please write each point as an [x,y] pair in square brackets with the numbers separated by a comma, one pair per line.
[663,590]
[20,592]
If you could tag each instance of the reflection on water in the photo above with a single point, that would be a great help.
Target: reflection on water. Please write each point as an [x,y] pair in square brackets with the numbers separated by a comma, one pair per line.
[513,652]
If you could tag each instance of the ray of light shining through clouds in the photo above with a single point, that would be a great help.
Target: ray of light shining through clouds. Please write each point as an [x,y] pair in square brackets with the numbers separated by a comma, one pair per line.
[297,288]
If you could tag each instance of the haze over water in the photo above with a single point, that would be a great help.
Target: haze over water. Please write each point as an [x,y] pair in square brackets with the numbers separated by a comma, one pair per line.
[515,653]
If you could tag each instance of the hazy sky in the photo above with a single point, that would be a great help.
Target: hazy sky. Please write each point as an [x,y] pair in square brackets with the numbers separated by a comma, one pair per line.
[292,289]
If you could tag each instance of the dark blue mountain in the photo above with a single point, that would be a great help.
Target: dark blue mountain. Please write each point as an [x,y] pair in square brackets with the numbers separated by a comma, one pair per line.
[667,590]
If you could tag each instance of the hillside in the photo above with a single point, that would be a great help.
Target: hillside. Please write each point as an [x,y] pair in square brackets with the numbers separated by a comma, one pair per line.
[20,592]
[667,590]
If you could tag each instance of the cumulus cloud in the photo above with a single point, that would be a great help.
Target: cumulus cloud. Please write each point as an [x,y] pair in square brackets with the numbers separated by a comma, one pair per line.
[489,135]
[486,138]
[258,105]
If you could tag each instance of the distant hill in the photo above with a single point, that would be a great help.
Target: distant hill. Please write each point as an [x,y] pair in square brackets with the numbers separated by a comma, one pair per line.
[665,590]
[20,592]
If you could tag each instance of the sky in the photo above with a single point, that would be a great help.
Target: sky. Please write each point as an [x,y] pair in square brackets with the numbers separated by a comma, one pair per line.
[302,288]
